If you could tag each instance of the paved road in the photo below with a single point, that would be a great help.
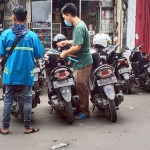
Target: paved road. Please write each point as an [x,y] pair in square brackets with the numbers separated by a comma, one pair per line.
[130,132]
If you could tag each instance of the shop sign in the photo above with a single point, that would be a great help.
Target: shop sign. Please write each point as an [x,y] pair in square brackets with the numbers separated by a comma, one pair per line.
[2,5]
[106,3]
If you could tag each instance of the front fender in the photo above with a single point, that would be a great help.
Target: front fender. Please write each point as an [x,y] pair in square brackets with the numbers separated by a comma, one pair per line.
[126,76]
[36,76]
[109,91]
[66,93]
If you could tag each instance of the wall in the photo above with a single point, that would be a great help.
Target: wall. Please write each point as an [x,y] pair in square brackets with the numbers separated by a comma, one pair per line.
[131,21]
[142,24]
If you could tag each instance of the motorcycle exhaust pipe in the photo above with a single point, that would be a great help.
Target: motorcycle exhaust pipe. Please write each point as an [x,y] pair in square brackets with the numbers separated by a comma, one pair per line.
[75,100]
[132,77]
[120,97]
[55,103]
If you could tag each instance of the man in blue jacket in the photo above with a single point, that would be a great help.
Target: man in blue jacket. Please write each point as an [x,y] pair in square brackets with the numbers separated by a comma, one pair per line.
[19,68]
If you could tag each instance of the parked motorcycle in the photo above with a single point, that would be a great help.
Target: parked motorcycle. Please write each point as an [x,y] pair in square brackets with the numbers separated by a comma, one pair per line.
[106,93]
[61,88]
[17,107]
[107,54]
[121,66]
[39,79]
[140,67]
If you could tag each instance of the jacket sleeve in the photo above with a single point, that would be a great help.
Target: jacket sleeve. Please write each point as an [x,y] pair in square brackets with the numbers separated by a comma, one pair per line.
[38,47]
[3,51]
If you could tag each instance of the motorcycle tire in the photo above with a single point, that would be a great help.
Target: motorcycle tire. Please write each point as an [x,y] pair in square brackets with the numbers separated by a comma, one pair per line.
[127,87]
[112,110]
[69,112]
[20,104]
[37,87]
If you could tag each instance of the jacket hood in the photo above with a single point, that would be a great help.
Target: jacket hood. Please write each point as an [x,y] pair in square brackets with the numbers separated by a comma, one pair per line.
[19,29]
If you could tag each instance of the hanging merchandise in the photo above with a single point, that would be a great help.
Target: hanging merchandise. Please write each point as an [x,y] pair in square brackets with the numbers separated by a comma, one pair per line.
[106,2]
[93,7]
[2,4]
[10,4]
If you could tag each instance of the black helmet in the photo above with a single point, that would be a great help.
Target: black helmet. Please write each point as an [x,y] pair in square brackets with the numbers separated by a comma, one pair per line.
[57,38]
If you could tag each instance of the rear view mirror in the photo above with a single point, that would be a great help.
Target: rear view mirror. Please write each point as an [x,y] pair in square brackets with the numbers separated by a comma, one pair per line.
[115,39]
[136,36]
[126,48]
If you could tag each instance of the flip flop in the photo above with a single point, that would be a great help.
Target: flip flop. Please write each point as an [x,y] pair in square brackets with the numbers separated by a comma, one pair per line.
[4,131]
[32,130]
[81,116]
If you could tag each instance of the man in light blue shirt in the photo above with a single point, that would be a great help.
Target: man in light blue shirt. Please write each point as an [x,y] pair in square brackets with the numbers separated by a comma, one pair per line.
[19,67]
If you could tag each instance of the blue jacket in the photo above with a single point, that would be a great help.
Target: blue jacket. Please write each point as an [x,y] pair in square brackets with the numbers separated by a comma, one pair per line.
[19,68]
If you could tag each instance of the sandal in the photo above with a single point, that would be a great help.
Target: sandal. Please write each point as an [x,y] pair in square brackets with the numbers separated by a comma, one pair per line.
[81,116]
[4,131]
[31,130]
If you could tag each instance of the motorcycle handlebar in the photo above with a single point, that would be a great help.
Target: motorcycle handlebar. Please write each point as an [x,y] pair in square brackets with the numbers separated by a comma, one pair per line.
[54,52]
[112,48]
[138,47]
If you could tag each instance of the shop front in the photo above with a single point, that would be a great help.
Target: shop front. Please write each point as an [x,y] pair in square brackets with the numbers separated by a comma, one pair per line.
[99,14]
[2,8]
[45,19]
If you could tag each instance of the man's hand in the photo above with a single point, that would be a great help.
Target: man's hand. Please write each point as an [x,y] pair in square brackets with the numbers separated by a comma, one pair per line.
[61,44]
[63,54]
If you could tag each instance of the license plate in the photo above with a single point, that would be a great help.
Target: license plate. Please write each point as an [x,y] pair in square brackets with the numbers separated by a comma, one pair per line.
[148,69]
[106,81]
[124,70]
[36,70]
[62,83]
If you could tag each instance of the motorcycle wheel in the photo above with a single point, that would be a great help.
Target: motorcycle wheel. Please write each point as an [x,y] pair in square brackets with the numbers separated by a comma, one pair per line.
[69,112]
[127,87]
[112,110]
[37,87]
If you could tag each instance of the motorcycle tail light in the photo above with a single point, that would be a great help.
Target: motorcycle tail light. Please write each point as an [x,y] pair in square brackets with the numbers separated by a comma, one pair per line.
[105,73]
[18,88]
[62,74]
[122,62]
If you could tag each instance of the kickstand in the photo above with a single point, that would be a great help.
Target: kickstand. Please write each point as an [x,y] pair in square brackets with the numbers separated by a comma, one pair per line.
[51,109]
[93,107]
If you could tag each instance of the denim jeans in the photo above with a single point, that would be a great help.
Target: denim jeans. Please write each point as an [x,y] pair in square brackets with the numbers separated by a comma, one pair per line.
[8,101]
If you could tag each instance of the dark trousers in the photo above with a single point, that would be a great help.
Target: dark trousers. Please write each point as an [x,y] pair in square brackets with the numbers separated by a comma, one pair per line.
[81,81]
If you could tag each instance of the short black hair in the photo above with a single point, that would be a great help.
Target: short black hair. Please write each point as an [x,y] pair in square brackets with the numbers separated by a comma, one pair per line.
[20,12]
[69,8]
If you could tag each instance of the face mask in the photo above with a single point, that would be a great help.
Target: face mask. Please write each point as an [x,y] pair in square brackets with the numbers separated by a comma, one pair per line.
[67,23]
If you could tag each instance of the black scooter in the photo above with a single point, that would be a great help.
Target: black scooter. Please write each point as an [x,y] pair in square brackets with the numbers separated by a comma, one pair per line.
[106,93]
[121,66]
[17,107]
[61,88]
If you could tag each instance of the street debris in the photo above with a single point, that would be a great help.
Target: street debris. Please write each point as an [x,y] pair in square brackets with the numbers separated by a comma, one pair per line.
[130,107]
[58,146]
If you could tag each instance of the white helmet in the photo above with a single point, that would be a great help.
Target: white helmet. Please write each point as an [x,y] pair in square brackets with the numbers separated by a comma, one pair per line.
[101,39]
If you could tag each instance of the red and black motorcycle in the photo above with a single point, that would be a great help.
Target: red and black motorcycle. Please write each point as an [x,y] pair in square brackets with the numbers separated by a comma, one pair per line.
[121,66]
[140,63]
